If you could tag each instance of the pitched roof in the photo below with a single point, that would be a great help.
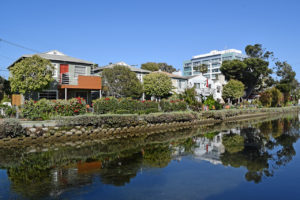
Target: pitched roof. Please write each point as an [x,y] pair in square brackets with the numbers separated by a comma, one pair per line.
[55,55]
[134,69]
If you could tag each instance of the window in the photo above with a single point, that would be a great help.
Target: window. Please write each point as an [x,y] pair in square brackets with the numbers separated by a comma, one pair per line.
[179,84]
[48,94]
[79,70]
[218,89]
[197,85]
[54,73]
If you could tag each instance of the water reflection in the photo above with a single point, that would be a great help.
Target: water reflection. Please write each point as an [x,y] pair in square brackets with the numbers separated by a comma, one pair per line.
[261,148]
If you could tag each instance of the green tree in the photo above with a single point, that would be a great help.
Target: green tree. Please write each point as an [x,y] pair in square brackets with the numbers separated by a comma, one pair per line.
[157,84]
[122,82]
[234,89]
[287,83]
[166,68]
[253,72]
[189,96]
[31,74]
[151,66]
[4,87]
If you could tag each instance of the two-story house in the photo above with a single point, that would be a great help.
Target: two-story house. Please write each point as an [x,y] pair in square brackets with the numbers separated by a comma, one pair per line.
[72,77]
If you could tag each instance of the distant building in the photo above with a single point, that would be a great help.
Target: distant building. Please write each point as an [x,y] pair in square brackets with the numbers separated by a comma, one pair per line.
[213,60]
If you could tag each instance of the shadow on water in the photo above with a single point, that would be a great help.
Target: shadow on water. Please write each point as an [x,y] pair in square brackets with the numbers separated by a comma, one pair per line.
[261,147]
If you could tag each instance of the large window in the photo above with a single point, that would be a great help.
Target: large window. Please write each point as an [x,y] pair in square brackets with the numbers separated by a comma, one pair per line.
[80,70]
[48,94]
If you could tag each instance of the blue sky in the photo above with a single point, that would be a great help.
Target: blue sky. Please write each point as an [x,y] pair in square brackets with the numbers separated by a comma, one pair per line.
[138,31]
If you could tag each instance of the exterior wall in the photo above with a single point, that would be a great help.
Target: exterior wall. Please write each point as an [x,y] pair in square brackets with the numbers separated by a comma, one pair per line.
[200,84]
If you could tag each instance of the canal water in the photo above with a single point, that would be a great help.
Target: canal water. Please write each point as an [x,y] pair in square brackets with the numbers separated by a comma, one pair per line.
[256,159]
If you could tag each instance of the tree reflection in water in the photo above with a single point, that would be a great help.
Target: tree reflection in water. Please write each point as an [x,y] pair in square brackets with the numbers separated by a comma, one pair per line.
[260,148]
[265,148]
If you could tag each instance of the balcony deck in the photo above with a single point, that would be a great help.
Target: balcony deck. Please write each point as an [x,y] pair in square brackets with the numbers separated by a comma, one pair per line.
[82,82]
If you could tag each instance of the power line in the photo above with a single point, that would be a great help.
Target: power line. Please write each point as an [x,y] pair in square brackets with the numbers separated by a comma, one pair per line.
[18,45]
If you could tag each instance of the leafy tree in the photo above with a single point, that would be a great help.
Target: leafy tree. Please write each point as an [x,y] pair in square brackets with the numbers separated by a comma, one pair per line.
[166,68]
[189,95]
[157,84]
[31,74]
[253,72]
[234,89]
[288,82]
[151,66]
[256,51]
[122,82]
[201,68]
[4,87]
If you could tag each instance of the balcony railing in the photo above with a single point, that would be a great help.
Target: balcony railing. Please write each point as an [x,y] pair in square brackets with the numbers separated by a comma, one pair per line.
[80,82]
[64,79]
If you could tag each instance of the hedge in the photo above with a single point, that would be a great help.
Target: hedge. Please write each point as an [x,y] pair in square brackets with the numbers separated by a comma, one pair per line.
[118,121]
[124,106]
[45,109]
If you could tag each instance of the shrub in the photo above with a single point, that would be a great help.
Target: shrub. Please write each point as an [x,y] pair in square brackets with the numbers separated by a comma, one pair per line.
[122,112]
[106,121]
[170,117]
[105,105]
[38,110]
[44,109]
[11,128]
[149,106]
[131,105]
[124,106]
[173,105]
[71,107]
[212,103]
[8,111]
[266,98]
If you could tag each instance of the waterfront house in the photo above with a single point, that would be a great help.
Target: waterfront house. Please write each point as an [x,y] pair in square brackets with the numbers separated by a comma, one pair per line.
[72,77]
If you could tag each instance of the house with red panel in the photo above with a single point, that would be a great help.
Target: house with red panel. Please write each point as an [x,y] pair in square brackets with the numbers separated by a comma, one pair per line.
[72,77]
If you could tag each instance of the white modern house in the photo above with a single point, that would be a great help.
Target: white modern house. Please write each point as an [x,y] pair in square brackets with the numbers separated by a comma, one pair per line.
[204,86]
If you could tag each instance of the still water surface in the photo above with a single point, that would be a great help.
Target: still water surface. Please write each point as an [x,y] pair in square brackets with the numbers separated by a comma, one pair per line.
[252,160]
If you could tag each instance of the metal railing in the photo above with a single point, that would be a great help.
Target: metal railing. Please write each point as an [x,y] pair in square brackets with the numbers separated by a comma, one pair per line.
[64,79]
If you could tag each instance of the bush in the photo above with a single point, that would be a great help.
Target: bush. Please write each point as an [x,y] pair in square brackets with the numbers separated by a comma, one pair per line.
[105,121]
[170,117]
[122,112]
[71,107]
[124,106]
[271,98]
[11,128]
[44,109]
[38,110]
[122,120]
[105,105]
[212,103]
[173,105]
[130,105]
[8,111]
